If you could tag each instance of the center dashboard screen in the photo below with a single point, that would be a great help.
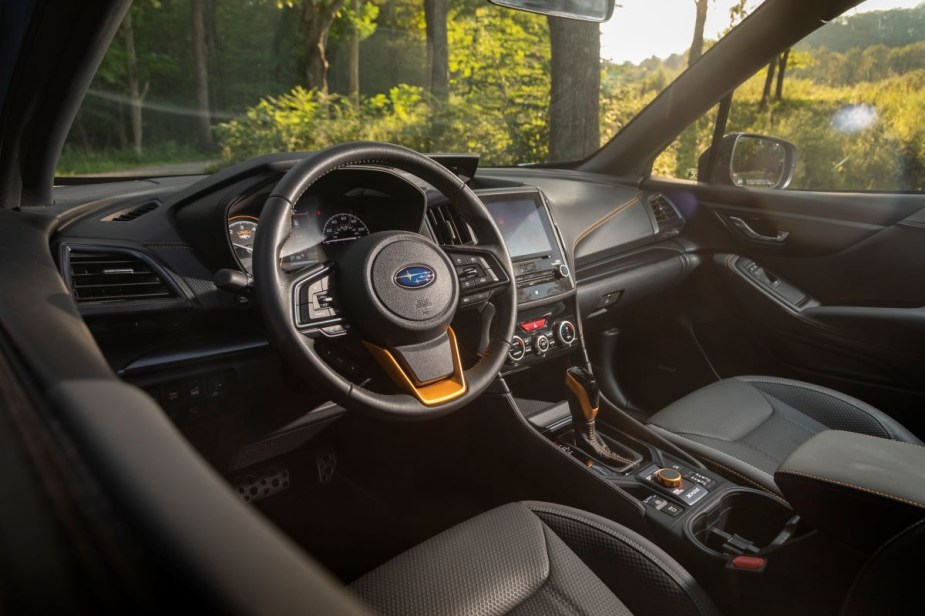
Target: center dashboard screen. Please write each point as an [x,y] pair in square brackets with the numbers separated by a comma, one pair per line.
[521,224]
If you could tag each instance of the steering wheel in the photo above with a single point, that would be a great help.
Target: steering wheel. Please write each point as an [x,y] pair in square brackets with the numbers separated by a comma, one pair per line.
[398,291]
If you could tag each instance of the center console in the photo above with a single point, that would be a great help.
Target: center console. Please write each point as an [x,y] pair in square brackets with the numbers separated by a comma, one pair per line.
[546,324]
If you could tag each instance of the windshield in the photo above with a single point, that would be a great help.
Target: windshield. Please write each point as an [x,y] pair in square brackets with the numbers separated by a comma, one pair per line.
[189,86]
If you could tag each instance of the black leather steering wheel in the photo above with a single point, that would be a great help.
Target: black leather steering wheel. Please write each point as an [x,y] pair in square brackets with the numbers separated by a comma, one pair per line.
[398,291]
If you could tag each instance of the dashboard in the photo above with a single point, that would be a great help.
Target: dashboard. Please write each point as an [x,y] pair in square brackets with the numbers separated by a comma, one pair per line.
[142,260]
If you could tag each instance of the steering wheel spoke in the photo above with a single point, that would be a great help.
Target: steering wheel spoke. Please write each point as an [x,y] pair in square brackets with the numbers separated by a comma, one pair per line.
[479,272]
[315,307]
[430,371]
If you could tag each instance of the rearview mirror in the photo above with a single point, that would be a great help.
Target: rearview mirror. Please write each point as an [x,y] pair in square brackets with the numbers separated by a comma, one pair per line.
[584,10]
[752,161]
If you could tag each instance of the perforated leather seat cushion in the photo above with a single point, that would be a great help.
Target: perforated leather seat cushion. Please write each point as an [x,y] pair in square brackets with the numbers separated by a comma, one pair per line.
[533,558]
[744,427]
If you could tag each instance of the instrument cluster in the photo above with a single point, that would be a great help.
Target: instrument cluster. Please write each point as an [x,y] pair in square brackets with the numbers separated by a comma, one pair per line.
[346,206]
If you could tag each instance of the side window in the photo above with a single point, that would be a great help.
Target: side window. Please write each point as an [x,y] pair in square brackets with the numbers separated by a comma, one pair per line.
[850,97]
[679,160]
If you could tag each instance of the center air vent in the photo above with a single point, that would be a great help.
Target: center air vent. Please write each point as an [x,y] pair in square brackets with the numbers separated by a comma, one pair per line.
[110,276]
[665,213]
[448,229]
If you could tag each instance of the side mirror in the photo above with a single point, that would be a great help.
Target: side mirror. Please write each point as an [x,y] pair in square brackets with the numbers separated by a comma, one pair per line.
[583,10]
[750,161]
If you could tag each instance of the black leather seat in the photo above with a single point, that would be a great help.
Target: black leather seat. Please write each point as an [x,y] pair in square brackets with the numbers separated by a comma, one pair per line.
[534,558]
[744,427]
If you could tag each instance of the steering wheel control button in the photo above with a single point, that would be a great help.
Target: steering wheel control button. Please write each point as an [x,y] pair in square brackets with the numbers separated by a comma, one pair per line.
[518,349]
[566,332]
[474,298]
[669,478]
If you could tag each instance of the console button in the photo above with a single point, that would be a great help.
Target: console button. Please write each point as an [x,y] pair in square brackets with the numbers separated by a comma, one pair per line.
[672,509]
[656,501]
[541,343]
[694,494]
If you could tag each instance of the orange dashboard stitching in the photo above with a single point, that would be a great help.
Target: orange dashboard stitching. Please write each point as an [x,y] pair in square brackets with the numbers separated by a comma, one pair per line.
[600,221]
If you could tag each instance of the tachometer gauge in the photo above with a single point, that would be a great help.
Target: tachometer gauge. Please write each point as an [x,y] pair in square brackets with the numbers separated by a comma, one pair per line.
[342,228]
[242,230]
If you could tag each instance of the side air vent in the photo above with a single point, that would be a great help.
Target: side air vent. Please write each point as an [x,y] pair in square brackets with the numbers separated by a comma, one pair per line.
[133,213]
[112,276]
[447,228]
[665,213]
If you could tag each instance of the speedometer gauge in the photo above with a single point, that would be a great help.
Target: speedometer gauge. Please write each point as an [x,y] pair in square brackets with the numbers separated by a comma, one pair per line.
[342,228]
[242,230]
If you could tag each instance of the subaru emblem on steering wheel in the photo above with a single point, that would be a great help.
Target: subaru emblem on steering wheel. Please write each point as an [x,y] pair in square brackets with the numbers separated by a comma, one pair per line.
[415,277]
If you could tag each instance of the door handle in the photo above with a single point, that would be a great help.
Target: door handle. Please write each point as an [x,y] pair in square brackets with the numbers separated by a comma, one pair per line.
[751,234]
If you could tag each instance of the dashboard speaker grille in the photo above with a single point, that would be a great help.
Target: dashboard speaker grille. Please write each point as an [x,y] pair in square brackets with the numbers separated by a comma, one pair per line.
[107,276]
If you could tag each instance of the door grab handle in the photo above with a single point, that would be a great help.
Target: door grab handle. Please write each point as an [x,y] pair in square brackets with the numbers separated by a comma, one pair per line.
[751,234]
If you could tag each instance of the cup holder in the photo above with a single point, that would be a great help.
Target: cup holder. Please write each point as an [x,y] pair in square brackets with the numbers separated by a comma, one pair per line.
[744,522]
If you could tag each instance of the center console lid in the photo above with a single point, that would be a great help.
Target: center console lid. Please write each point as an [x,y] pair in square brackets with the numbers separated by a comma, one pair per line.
[860,489]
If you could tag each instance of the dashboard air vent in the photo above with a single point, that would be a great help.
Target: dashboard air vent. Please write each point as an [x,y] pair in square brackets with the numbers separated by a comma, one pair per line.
[666,215]
[133,213]
[447,228]
[107,276]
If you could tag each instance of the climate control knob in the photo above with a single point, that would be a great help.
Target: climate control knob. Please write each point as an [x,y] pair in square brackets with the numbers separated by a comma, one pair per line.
[518,349]
[566,333]
[540,343]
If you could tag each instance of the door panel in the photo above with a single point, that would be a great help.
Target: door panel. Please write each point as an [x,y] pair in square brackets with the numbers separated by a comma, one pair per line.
[840,301]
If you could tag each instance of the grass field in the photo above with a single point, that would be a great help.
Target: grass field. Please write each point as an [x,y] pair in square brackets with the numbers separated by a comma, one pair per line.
[77,161]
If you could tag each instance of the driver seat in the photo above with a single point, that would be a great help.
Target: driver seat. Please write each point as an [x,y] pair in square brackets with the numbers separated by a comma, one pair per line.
[533,558]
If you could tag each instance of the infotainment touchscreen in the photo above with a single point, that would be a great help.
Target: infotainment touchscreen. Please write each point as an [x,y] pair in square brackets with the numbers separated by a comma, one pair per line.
[540,269]
[521,226]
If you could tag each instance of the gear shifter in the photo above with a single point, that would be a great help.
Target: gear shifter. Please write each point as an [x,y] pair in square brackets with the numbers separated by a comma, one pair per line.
[584,402]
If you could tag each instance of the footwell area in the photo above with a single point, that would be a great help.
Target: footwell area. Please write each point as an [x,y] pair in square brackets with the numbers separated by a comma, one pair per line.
[394,485]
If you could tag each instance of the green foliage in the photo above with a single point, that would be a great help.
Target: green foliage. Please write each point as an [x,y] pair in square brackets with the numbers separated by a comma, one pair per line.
[348,21]
[892,28]
[499,93]
[847,69]
[882,154]
[309,120]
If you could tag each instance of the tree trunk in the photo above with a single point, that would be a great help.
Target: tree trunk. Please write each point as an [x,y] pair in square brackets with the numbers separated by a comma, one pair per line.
[355,58]
[317,16]
[699,22]
[781,67]
[768,82]
[438,54]
[201,69]
[135,97]
[574,98]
